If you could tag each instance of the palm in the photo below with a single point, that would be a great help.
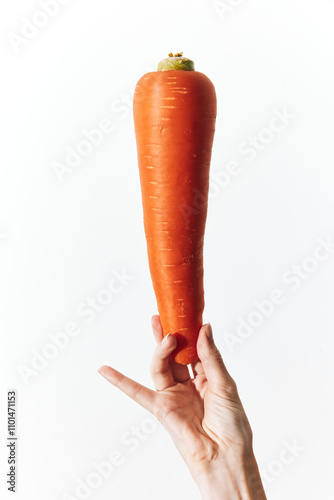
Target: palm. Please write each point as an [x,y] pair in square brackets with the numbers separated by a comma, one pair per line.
[180,409]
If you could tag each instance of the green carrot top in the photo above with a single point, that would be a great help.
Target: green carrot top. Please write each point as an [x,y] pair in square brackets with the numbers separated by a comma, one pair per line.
[176,61]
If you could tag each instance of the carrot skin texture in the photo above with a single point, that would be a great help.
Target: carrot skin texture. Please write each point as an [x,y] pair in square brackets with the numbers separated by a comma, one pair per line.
[174,116]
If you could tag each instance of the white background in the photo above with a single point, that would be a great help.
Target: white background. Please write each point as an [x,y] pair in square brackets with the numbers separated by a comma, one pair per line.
[61,241]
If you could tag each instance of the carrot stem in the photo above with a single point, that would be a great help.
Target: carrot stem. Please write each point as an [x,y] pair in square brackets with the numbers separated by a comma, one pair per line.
[176,61]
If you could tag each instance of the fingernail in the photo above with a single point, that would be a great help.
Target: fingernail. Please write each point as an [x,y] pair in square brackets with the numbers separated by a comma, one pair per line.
[165,339]
[100,371]
[208,332]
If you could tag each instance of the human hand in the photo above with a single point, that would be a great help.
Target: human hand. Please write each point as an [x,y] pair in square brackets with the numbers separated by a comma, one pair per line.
[203,415]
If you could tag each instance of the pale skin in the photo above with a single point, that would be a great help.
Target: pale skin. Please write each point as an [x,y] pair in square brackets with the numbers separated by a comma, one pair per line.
[203,415]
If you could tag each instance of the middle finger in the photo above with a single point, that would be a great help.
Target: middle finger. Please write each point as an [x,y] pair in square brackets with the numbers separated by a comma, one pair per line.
[180,372]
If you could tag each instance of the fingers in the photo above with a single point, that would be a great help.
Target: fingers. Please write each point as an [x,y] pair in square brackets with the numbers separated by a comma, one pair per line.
[157,328]
[180,372]
[160,369]
[211,360]
[139,393]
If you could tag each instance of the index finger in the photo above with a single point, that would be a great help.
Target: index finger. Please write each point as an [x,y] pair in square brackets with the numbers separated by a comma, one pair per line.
[139,393]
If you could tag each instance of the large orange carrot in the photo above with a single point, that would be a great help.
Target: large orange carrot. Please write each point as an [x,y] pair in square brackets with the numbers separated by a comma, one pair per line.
[174,115]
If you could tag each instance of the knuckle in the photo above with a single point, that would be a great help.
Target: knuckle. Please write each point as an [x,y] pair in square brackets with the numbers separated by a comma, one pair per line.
[159,367]
[217,355]
[164,369]
[155,361]
[152,368]
[231,387]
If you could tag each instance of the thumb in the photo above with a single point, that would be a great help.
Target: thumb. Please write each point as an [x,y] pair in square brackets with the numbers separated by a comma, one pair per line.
[211,359]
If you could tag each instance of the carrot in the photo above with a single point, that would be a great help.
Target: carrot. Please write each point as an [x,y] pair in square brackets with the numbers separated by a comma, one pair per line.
[174,114]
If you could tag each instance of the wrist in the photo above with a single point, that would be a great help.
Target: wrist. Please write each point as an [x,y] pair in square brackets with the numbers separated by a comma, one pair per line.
[230,476]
